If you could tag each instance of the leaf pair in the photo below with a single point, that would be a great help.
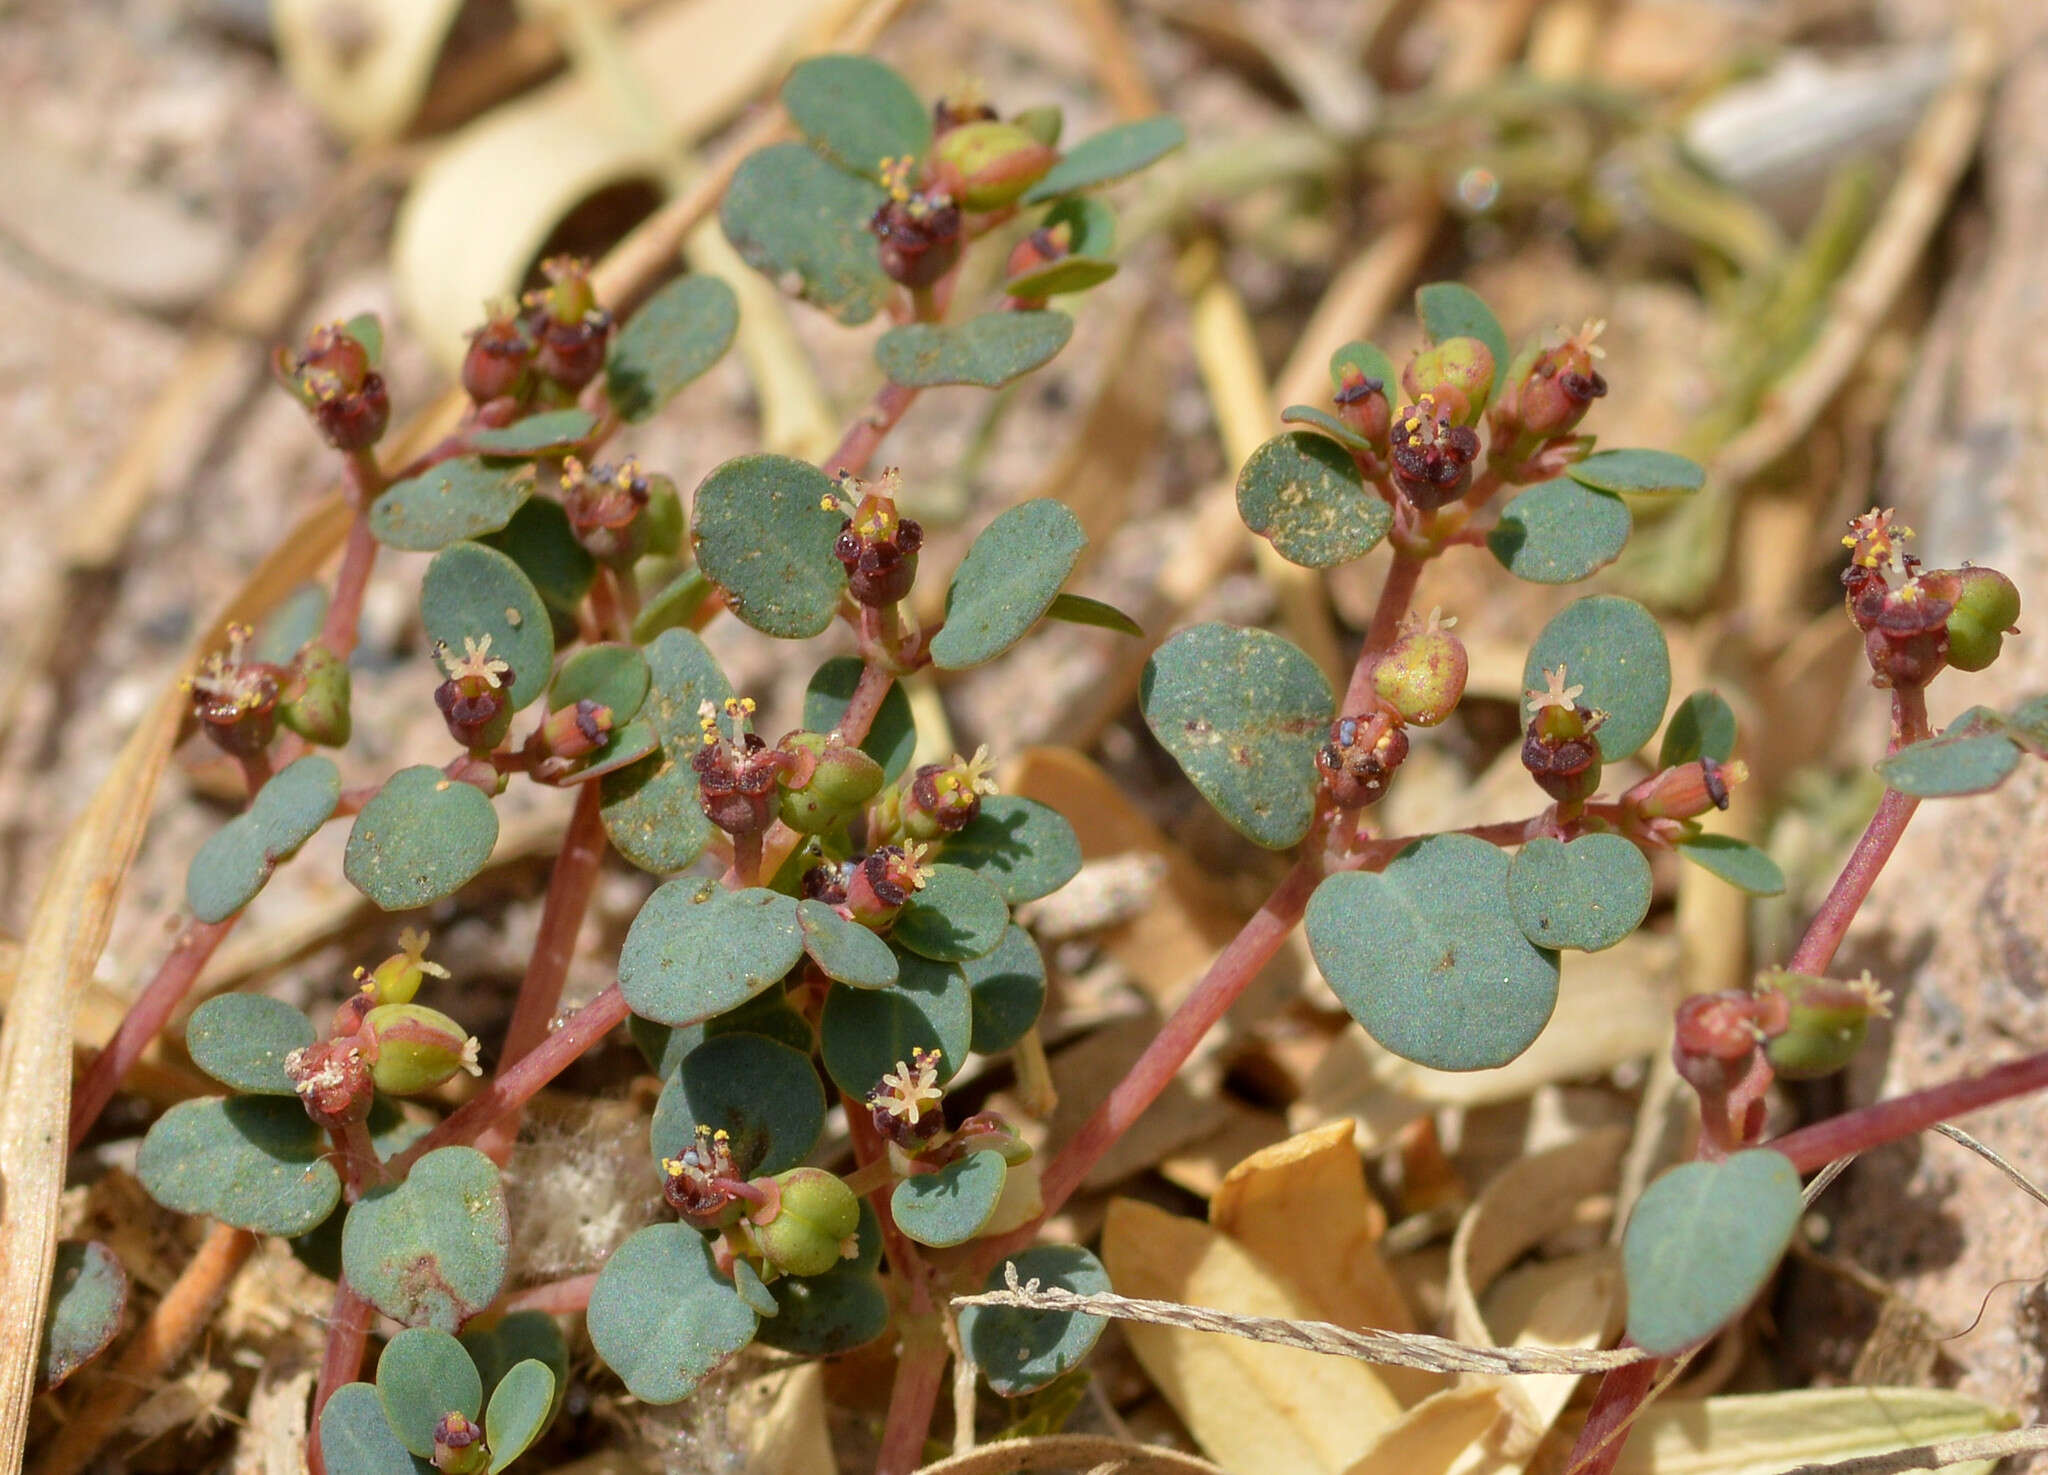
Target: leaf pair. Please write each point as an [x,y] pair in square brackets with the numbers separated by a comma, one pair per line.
[424,1376]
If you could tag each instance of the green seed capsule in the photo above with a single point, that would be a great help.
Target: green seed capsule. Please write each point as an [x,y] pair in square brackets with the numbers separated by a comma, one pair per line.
[316,698]
[836,780]
[417,1048]
[1828,1022]
[818,1219]
[1422,675]
[997,162]
[1457,370]
[1987,604]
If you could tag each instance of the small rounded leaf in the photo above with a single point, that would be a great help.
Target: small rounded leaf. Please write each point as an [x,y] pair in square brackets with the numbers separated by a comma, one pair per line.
[764,533]
[1242,712]
[540,540]
[1021,1351]
[88,1294]
[825,1315]
[519,1337]
[651,809]
[241,1040]
[1946,766]
[803,224]
[762,1092]
[845,950]
[1429,957]
[520,1408]
[545,434]
[423,1374]
[680,331]
[1026,849]
[892,736]
[1737,862]
[463,498]
[1613,648]
[356,1438]
[471,591]
[613,675]
[1006,582]
[954,916]
[1558,532]
[237,859]
[951,1206]
[1701,1243]
[989,350]
[420,838]
[1701,726]
[1587,894]
[1304,493]
[865,1033]
[697,949]
[431,1251]
[856,111]
[1639,472]
[1079,609]
[662,1317]
[1110,154]
[256,1162]
[1008,991]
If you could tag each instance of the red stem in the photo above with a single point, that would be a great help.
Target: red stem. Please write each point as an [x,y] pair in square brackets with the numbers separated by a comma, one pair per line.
[557,1297]
[1615,1406]
[865,703]
[1812,1148]
[913,1399]
[1395,597]
[862,438]
[348,1331]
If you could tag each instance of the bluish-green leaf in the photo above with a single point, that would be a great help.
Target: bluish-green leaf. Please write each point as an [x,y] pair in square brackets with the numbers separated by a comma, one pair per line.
[845,950]
[856,111]
[662,1317]
[652,811]
[1069,274]
[825,1315]
[1369,360]
[256,1162]
[1079,609]
[767,1013]
[424,1374]
[1639,472]
[673,604]
[1613,648]
[1007,988]
[1428,957]
[463,498]
[1558,532]
[1007,581]
[680,331]
[472,592]
[1453,310]
[989,350]
[1325,422]
[518,1337]
[520,1408]
[957,914]
[1026,849]
[1304,493]
[1740,864]
[764,527]
[697,949]
[1588,894]
[88,1295]
[241,1040]
[892,736]
[1703,1240]
[766,1095]
[1946,766]
[548,433]
[1701,726]
[951,1206]
[1020,1351]
[431,1251]
[356,1438]
[1242,712]
[238,858]
[864,1033]
[613,675]
[803,224]
[421,837]
[1110,154]
[540,541]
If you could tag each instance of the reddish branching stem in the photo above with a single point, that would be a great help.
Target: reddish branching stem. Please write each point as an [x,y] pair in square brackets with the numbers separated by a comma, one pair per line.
[857,447]
[1812,1148]
[556,1298]
[348,1332]
[1396,595]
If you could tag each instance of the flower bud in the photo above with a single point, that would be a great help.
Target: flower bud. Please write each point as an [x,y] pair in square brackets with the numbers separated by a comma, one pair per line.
[1422,675]
[944,798]
[907,1106]
[1820,1023]
[1041,248]
[826,882]
[1687,790]
[1457,372]
[332,376]
[1362,404]
[568,327]
[1559,749]
[473,700]
[235,698]
[500,356]
[1906,642]
[881,882]
[815,1225]
[831,781]
[315,700]
[607,507]
[918,230]
[877,546]
[1548,389]
[1987,609]
[993,162]
[575,731]
[737,773]
[1361,757]
[413,1048]
[956,109]
[333,1081]
[459,1447]
[699,1185]
[398,978]
[1432,454]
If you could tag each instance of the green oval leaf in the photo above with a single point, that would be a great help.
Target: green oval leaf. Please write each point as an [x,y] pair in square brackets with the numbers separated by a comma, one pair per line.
[856,111]
[825,1315]
[431,1251]
[1701,726]
[88,1295]
[1454,310]
[423,1374]
[471,592]
[864,1033]
[540,540]
[662,1317]
[1588,894]
[521,1336]
[951,1206]
[612,675]
[989,350]
[462,498]
[892,736]
[764,532]
[1007,990]
[548,433]
[1327,423]
[845,950]
[1615,650]
[521,1406]
[764,1093]
[1242,712]
[680,331]
[672,605]
[1370,361]
[1060,278]
[1024,848]
[241,1040]
[1304,494]
[767,1013]
[1021,1351]
[652,811]
[1558,532]
[1741,865]
[1639,472]
[1701,1243]
[1946,766]
[356,1438]
[237,859]
[256,1162]
[1428,956]
[1007,581]
[420,838]
[804,225]
[956,915]
[1079,609]
[1110,154]
[696,949]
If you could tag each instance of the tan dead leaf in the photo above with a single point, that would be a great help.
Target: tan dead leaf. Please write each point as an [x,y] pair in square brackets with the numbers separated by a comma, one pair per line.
[1301,1208]
[1254,1408]
[1432,1437]
[787,1429]
[1201,1166]
[365,64]
[1764,1433]
[1020,1202]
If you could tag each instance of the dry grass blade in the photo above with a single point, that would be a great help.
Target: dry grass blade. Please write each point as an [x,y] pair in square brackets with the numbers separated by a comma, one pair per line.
[1088,1452]
[1395,1349]
[1934,1456]
[2019,1180]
